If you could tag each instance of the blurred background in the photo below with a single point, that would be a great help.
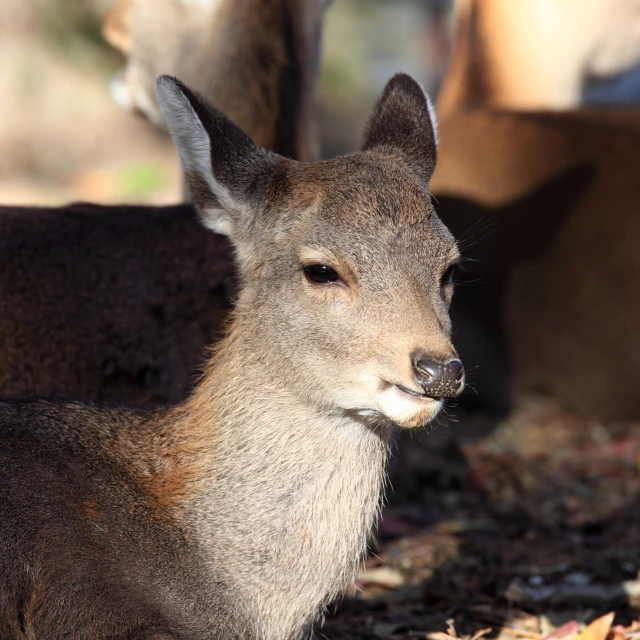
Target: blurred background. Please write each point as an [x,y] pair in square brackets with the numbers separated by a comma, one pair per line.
[63,137]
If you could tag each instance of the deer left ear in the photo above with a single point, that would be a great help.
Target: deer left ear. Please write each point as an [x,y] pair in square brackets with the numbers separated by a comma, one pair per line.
[227,173]
[404,123]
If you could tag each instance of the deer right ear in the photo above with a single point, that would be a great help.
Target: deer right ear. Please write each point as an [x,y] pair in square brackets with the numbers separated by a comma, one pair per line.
[404,123]
[226,171]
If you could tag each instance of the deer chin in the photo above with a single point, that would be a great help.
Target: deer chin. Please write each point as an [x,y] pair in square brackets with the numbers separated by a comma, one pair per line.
[405,408]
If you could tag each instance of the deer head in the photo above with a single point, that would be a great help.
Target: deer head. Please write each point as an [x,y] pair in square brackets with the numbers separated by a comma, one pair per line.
[346,269]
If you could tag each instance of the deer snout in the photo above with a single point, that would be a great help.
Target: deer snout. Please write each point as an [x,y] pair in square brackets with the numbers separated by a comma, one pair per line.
[438,379]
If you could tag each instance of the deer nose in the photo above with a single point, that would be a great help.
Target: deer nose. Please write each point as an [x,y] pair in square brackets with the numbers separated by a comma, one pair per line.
[438,379]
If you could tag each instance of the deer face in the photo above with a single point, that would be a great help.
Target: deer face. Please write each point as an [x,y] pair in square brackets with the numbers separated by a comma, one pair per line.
[346,267]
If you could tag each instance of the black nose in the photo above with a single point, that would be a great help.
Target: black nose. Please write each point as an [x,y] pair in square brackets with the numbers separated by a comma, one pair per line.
[438,379]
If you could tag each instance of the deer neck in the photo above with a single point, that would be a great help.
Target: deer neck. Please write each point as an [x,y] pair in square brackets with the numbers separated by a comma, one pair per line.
[276,107]
[499,60]
[279,487]
[468,80]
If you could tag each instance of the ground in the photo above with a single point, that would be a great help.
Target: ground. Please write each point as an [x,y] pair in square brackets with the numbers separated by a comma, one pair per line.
[505,528]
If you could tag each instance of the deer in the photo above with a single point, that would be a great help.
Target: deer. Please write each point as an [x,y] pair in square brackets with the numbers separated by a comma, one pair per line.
[244,510]
[536,54]
[524,176]
[256,59]
[109,303]
[546,203]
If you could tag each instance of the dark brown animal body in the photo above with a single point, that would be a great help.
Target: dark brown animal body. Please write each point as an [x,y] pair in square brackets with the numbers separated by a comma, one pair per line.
[550,201]
[243,511]
[113,564]
[108,303]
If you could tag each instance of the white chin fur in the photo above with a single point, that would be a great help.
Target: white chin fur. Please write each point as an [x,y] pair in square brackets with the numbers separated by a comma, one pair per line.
[407,410]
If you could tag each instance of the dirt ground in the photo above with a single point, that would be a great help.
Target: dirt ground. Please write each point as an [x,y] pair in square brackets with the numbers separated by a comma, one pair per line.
[526,527]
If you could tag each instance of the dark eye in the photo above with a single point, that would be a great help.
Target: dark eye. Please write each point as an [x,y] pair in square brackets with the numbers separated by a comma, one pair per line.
[320,274]
[447,276]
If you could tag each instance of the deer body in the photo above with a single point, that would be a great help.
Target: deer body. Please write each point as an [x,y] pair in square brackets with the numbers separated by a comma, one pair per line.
[241,528]
[555,195]
[256,59]
[243,511]
[550,200]
[536,54]
[105,303]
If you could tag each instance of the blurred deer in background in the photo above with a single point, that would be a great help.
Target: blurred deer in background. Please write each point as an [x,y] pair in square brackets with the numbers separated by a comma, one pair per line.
[536,54]
[108,302]
[548,201]
[548,205]
[118,303]
[244,511]
[257,60]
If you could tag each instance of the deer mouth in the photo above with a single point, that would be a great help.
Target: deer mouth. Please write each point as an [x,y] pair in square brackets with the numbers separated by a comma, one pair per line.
[406,391]
[412,396]
[415,394]
[406,407]
[420,395]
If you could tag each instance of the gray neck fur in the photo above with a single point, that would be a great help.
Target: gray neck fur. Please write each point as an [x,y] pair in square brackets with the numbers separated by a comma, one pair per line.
[292,493]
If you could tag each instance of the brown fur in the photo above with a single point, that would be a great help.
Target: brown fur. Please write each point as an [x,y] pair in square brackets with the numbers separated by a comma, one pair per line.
[559,193]
[242,512]
[109,303]
[256,59]
[559,261]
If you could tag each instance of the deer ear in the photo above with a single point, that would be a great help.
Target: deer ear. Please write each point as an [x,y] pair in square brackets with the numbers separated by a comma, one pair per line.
[226,171]
[404,123]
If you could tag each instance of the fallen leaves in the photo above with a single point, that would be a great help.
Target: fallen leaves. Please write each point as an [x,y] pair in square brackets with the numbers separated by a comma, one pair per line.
[599,629]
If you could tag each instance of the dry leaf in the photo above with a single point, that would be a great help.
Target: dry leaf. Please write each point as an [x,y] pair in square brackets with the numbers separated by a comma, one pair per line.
[383,576]
[440,635]
[598,629]
[566,631]
[617,634]
[479,634]
[633,627]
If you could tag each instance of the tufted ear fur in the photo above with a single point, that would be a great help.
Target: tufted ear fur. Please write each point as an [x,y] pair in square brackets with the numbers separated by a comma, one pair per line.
[404,123]
[227,173]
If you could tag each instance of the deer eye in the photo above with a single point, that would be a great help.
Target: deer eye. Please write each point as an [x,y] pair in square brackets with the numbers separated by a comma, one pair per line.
[447,276]
[320,274]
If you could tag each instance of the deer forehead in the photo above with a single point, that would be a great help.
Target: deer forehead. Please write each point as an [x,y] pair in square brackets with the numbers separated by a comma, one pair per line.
[358,200]
[363,187]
